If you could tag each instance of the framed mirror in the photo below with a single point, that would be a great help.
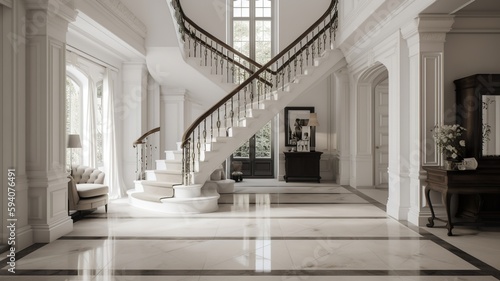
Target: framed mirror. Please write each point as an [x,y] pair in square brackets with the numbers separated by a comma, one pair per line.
[491,125]
[478,111]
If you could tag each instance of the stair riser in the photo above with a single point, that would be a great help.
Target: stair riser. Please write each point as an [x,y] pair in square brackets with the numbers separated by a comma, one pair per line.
[162,191]
[163,177]
[187,191]
[173,155]
[168,166]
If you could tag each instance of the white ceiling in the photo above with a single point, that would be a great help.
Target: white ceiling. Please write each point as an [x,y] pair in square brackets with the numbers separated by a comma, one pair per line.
[463,6]
[170,70]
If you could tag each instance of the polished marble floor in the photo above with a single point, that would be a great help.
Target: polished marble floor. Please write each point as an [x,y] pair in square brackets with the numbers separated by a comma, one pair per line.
[266,230]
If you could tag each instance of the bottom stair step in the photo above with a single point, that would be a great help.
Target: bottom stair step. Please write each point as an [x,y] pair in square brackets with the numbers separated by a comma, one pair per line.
[150,196]
[205,203]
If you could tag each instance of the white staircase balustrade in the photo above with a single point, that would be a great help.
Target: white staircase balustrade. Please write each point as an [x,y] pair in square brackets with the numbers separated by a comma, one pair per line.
[256,94]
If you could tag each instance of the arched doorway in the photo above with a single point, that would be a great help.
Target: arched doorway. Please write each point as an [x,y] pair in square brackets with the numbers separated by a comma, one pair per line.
[370,129]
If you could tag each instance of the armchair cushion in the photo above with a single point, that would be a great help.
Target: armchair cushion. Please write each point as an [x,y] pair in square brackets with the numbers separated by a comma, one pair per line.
[86,188]
[85,174]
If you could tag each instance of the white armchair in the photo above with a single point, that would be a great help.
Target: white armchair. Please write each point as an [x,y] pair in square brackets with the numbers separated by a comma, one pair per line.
[86,189]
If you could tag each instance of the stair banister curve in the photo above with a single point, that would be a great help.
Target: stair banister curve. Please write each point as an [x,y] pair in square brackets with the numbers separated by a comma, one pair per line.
[195,32]
[144,153]
[263,84]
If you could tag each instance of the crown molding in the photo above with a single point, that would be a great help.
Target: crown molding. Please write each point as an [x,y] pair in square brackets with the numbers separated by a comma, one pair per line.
[7,3]
[119,10]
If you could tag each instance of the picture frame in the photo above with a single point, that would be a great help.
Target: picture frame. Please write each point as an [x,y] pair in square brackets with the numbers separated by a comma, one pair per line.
[296,118]
[304,145]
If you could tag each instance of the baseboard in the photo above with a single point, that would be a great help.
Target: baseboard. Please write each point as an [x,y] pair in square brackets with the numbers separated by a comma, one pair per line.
[44,233]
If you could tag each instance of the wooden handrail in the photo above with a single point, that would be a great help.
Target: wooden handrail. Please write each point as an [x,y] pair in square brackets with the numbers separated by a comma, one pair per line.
[213,38]
[190,130]
[188,32]
[145,135]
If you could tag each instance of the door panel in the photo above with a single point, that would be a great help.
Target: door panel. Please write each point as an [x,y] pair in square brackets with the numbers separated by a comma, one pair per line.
[256,154]
[381,142]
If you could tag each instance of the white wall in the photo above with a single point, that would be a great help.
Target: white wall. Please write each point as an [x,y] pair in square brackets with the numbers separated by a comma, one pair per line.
[209,15]
[296,16]
[318,97]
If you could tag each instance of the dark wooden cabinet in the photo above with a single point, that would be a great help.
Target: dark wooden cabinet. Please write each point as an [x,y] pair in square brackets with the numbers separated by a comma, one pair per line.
[475,188]
[302,166]
[472,93]
[478,191]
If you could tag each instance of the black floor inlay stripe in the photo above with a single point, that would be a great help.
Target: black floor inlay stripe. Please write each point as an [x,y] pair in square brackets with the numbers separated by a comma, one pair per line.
[211,238]
[238,217]
[23,253]
[366,197]
[483,268]
[222,273]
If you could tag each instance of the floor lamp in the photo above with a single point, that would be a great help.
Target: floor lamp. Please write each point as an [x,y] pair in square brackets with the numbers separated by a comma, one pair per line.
[313,123]
[73,142]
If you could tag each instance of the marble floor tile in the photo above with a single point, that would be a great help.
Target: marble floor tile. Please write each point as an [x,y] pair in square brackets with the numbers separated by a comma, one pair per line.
[266,230]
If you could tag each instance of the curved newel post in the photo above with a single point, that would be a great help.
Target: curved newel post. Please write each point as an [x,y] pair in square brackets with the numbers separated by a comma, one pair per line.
[144,154]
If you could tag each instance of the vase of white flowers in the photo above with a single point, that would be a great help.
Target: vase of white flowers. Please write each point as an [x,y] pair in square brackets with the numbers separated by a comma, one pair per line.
[451,143]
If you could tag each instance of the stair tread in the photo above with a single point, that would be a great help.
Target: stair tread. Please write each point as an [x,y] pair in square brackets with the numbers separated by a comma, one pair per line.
[160,183]
[170,160]
[173,172]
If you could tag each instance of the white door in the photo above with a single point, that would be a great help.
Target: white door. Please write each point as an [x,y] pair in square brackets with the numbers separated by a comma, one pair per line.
[381,129]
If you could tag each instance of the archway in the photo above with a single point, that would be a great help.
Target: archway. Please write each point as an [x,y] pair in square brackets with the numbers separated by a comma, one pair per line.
[370,128]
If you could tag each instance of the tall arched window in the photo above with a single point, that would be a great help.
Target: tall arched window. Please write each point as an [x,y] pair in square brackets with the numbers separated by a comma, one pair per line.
[252,25]
[84,116]
[252,28]
[73,115]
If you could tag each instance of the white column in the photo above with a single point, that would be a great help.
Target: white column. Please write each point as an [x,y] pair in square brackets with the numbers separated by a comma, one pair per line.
[174,117]
[425,37]
[132,112]
[47,24]
[396,63]
[13,124]
[341,126]
[154,112]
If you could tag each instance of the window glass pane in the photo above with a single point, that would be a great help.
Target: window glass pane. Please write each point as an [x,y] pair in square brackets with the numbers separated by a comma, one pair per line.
[241,36]
[99,124]
[263,140]
[243,151]
[263,8]
[263,41]
[262,52]
[73,118]
[241,8]
[263,30]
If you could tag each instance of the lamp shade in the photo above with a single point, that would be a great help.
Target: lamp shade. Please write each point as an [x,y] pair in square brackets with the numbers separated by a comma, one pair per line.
[313,120]
[74,141]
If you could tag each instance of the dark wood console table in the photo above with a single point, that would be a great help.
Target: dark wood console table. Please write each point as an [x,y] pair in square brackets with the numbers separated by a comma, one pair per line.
[302,166]
[447,183]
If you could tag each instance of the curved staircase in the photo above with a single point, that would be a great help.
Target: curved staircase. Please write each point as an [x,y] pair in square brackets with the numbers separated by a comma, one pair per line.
[186,180]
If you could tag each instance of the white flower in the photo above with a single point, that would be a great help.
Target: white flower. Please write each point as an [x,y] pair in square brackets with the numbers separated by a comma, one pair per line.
[462,143]
[454,155]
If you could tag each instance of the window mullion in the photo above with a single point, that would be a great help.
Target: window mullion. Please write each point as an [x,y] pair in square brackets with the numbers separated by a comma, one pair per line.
[252,29]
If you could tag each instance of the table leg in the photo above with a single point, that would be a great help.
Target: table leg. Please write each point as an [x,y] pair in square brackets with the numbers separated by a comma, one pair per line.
[447,202]
[428,199]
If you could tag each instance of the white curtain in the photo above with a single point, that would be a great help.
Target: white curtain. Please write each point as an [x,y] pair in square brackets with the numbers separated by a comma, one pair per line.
[89,140]
[112,165]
